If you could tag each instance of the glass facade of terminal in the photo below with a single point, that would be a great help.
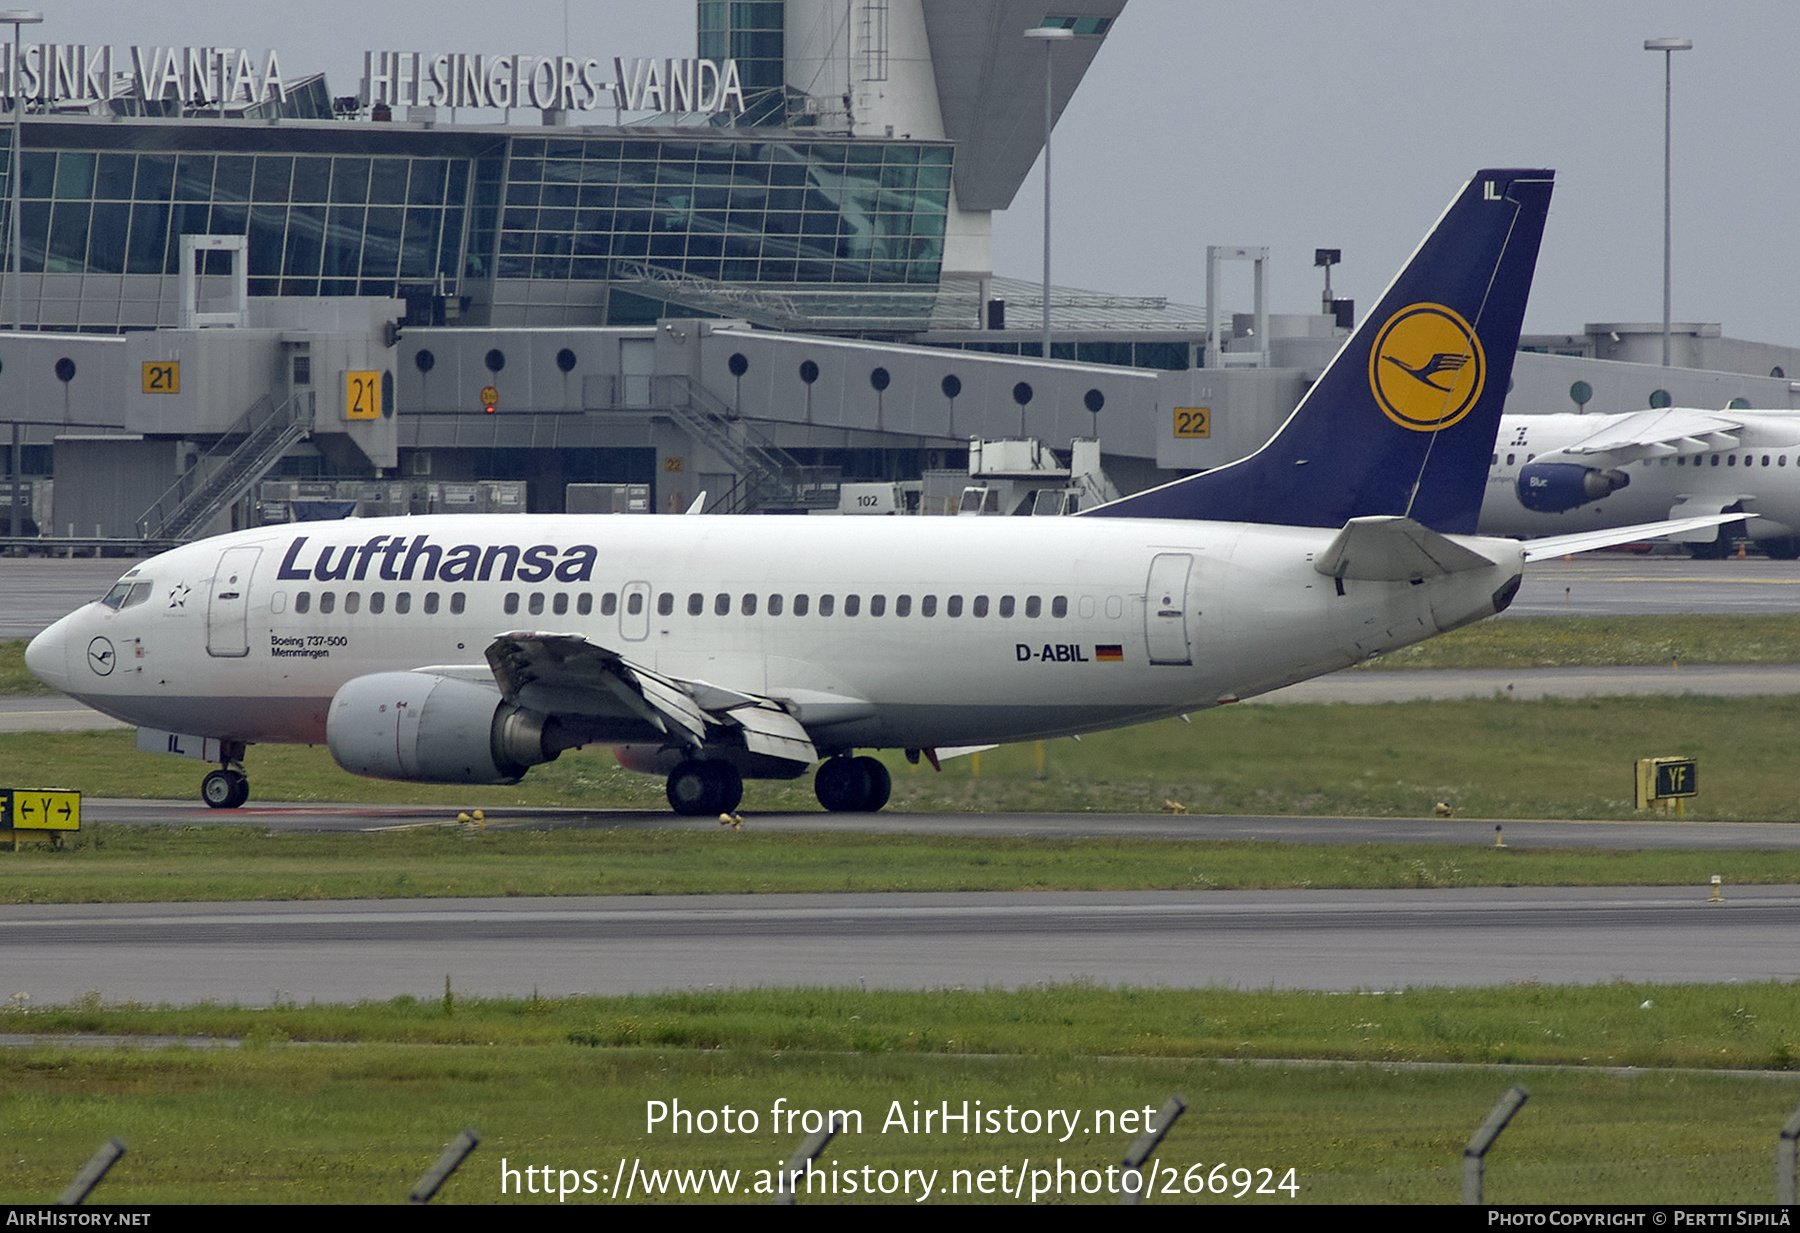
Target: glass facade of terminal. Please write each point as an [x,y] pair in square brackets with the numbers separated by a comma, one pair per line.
[755,35]
[411,213]
[732,211]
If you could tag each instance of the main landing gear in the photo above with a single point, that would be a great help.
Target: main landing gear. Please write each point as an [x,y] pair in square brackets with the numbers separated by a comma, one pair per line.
[852,785]
[697,789]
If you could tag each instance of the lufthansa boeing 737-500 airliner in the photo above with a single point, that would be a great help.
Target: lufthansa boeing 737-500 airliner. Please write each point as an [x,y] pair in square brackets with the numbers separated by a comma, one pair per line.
[713,648]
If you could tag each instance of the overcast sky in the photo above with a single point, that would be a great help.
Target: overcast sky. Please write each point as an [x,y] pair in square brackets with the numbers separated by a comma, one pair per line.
[1293,124]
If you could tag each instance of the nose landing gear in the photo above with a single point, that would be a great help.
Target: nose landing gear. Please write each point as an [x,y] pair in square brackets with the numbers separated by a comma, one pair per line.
[228,787]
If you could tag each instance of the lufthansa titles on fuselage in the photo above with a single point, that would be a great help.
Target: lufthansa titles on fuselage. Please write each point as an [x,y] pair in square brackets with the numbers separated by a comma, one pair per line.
[400,558]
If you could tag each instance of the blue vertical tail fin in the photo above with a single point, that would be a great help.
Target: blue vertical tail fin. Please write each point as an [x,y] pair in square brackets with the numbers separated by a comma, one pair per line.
[1404,418]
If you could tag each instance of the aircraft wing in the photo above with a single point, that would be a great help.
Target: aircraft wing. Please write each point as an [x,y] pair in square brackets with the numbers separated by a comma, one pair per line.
[1662,433]
[566,675]
[1586,541]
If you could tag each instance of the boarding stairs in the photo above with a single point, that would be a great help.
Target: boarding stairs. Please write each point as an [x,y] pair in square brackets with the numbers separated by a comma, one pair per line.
[769,478]
[226,473]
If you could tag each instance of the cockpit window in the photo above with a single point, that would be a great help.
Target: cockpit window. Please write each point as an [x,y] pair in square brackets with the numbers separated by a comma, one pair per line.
[127,594]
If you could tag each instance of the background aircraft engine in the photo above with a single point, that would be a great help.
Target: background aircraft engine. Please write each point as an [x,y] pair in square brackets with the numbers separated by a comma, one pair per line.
[1552,487]
[434,729]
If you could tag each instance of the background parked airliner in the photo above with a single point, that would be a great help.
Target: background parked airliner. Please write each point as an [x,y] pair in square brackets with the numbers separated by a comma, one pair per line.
[711,649]
[1553,474]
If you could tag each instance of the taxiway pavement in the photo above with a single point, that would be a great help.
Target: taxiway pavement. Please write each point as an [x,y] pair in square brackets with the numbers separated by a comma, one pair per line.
[260,953]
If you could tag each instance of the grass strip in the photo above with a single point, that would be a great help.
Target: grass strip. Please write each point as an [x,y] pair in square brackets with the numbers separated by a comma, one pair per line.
[14,678]
[1746,1026]
[1586,642]
[567,1084]
[110,864]
[1486,758]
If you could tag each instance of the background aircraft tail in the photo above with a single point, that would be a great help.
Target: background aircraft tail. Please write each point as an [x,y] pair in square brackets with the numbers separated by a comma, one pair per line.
[1403,420]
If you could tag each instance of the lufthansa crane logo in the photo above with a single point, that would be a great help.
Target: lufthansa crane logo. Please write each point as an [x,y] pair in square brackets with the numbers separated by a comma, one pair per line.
[1426,368]
[100,656]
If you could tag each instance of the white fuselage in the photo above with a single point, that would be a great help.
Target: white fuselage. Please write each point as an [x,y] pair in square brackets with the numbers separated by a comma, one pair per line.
[1760,474]
[964,631]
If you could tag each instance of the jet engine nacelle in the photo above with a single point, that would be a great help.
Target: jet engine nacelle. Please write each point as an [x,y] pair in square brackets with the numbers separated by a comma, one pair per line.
[1552,487]
[433,729]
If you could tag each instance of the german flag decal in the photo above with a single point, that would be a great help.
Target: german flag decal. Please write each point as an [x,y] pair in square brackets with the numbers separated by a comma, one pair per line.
[1114,654]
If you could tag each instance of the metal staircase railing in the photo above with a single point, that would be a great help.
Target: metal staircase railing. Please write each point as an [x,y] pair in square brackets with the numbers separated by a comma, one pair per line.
[243,456]
[770,478]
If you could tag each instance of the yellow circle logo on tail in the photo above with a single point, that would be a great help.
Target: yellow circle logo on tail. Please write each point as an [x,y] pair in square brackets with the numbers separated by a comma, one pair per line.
[1426,368]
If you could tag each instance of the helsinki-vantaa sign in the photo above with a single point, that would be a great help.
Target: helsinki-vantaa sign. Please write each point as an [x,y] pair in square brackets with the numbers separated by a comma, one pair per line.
[78,73]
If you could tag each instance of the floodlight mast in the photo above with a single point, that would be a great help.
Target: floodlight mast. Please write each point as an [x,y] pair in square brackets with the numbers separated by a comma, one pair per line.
[1668,46]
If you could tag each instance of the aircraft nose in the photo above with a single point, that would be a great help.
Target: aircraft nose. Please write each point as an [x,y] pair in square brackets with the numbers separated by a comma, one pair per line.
[47,656]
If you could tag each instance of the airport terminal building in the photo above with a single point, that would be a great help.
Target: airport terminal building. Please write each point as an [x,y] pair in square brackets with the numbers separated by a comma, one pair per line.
[760,272]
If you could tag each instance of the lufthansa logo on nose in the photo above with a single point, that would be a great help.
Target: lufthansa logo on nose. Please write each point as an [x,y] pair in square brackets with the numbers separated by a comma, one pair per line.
[101,657]
[1426,368]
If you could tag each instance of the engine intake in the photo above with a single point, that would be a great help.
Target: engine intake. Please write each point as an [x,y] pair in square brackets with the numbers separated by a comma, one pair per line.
[435,729]
[1552,487]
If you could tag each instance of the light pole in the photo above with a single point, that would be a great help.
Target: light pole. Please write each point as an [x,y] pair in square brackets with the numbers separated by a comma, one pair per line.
[1049,36]
[1668,47]
[19,19]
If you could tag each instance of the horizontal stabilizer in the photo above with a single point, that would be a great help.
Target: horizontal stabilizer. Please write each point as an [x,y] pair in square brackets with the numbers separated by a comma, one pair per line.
[1391,549]
[1587,541]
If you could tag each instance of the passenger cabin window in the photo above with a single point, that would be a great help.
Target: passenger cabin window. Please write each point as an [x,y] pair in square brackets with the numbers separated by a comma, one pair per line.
[377,602]
[403,602]
[511,603]
[634,603]
[953,606]
[1006,605]
[827,605]
[458,601]
[774,605]
[535,605]
[928,606]
[353,601]
[1059,607]
[747,605]
[609,604]
[560,605]
[877,605]
[665,603]
[327,601]
[303,601]
[903,605]
[852,605]
[1034,606]
[980,607]
[584,603]
[721,604]
[800,605]
[431,602]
